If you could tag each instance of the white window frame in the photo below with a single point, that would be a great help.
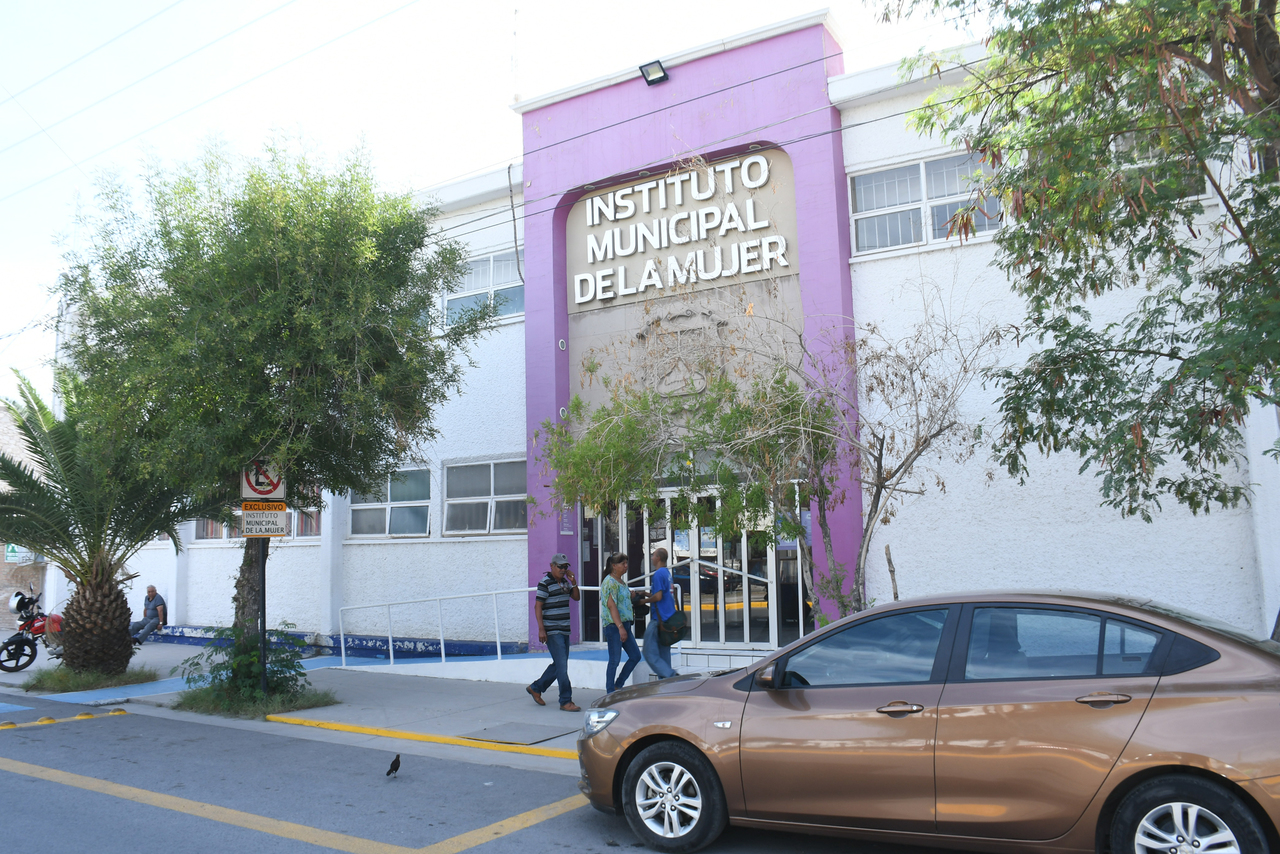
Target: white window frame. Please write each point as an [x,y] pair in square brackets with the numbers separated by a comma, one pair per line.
[462,297]
[491,500]
[1136,156]
[930,197]
[387,505]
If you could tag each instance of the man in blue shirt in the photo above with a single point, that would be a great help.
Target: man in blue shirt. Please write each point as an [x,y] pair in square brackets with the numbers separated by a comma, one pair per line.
[656,654]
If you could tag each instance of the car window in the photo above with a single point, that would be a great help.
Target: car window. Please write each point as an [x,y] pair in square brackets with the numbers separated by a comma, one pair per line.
[892,649]
[1030,643]
[1127,648]
[1234,632]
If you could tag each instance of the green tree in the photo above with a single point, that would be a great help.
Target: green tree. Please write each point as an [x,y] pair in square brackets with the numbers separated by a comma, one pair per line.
[1133,147]
[86,504]
[770,418]
[271,310]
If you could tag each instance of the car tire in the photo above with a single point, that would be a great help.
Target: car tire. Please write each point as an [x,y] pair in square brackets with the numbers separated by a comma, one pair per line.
[673,799]
[1167,813]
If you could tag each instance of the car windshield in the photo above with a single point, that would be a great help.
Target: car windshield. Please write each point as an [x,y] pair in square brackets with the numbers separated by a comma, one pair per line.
[1214,625]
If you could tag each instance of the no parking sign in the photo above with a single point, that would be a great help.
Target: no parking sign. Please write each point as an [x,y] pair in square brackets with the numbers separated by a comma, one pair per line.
[261,481]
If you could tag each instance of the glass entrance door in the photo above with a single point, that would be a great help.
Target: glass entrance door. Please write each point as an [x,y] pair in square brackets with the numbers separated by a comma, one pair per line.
[728,583]
[736,592]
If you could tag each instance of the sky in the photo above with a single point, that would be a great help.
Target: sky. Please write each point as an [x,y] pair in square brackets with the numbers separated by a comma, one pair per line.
[425,87]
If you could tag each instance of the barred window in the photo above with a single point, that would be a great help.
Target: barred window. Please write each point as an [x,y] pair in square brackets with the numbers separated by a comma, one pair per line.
[891,207]
[493,278]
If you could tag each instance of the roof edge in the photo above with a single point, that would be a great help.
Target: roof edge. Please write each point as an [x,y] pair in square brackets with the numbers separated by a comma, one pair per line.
[820,17]
[477,189]
[884,81]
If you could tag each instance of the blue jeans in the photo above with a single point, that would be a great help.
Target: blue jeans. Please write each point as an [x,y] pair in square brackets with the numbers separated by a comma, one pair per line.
[141,628]
[558,669]
[656,655]
[616,644]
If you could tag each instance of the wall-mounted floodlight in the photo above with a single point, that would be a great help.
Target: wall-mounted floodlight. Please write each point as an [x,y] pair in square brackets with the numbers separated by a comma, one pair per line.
[653,72]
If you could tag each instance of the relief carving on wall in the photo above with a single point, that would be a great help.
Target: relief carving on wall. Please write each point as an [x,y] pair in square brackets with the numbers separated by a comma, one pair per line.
[680,349]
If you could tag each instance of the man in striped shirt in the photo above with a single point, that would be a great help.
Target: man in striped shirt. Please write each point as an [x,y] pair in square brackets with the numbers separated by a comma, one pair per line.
[551,608]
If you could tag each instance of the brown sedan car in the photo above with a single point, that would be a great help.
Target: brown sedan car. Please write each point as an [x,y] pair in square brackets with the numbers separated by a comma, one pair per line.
[988,722]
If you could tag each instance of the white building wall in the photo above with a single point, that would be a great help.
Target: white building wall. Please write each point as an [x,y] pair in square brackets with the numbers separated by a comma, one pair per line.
[484,423]
[398,571]
[212,582]
[1050,533]
[155,564]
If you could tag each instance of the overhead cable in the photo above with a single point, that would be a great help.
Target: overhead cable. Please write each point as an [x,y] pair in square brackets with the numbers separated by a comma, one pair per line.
[90,53]
[146,76]
[239,85]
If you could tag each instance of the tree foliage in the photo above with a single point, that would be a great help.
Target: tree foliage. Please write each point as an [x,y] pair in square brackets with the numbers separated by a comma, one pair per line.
[271,309]
[86,504]
[774,421]
[1133,147]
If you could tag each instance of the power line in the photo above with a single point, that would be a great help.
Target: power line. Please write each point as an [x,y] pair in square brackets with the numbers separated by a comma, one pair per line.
[239,85]
[962,65]
[46,133]
[681,103]
[90,53]
[483,169]
[749,132]
[147,76]
[525,203]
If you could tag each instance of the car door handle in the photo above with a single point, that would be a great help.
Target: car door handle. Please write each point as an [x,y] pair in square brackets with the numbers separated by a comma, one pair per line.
[900,709]
[1103,700]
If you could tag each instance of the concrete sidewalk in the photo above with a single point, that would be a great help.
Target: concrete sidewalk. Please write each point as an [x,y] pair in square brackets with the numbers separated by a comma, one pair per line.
[400,708]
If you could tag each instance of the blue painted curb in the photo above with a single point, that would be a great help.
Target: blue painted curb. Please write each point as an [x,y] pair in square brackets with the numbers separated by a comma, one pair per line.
[360,646]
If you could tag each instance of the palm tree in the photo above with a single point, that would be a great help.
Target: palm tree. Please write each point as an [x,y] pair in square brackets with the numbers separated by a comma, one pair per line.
[85,504]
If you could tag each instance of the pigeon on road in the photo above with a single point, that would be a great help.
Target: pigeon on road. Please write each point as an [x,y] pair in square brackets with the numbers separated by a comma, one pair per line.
[395,766]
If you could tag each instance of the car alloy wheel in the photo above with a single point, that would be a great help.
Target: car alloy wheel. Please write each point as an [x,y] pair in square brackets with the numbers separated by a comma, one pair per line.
[673,799]
[668,799]
[1185,815]
[1181,827]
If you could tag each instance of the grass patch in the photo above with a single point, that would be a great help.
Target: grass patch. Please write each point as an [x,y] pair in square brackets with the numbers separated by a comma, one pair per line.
[214,700]
[63,680]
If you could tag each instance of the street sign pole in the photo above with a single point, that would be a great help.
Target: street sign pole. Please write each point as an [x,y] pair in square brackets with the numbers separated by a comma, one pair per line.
[262,611]
[263,518]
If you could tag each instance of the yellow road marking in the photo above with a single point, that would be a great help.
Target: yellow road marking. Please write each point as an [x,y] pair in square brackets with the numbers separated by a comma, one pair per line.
[288,829]
[423,736]
[83,716]
[507,826]
[262,824]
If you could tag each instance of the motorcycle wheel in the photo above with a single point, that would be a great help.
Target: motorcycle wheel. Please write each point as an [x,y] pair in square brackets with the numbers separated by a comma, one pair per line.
[17,655]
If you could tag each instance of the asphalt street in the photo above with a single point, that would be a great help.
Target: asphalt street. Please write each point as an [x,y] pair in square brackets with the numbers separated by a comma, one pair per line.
[153,779]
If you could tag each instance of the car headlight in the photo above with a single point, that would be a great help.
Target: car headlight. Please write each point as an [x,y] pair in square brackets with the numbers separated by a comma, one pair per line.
[596,720]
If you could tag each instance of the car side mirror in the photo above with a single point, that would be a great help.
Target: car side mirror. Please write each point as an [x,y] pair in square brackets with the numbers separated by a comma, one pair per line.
[765,677]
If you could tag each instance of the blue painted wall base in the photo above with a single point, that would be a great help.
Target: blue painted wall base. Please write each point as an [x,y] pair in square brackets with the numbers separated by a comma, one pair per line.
[363,646]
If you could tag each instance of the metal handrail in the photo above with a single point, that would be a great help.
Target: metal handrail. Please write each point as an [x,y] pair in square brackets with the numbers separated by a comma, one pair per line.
[493,594]
[391,646]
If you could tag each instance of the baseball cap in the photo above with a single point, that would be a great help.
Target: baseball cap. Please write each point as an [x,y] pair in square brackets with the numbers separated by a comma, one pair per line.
[560,559]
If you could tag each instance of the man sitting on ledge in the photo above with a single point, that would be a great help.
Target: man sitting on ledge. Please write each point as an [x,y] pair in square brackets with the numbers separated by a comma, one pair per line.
[153,616]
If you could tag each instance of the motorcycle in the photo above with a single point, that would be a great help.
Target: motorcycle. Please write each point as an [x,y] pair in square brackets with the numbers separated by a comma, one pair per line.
[19,651]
